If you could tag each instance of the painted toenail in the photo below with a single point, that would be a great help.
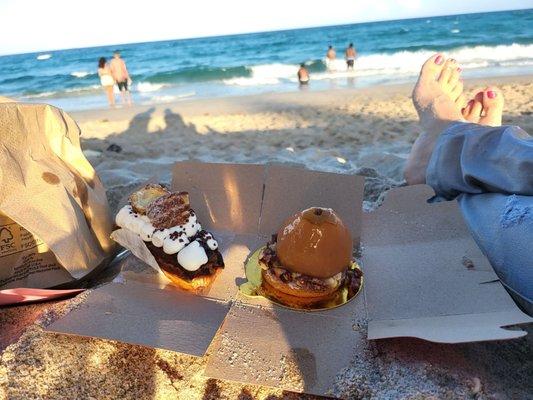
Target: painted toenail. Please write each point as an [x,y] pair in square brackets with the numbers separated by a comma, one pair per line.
[459,69]
[491,94]
[480,94]
[470,102]
[439,60]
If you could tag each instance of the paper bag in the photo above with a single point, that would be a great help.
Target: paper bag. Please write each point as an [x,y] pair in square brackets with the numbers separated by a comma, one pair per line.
[55,220]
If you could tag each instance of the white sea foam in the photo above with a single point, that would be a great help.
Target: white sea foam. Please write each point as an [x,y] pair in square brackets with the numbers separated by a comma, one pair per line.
[149,87]
[403,64]
[407,63]
[44,57]
[171,98]
[79,74]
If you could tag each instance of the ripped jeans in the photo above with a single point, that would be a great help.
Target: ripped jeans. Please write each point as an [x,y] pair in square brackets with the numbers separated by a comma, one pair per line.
[489,170]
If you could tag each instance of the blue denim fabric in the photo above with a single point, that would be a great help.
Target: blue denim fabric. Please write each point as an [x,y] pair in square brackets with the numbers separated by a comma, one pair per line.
[489,170]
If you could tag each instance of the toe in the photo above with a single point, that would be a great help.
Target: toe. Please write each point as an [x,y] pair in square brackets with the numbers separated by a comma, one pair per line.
[447,71]
[477,109]
[468,113]
[461,101]
[455,75]
[432,67]
[474,109]
[457,92]
[492,101]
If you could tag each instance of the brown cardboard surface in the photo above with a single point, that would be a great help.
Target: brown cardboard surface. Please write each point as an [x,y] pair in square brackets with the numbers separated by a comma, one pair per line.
[425,276]
[289,190]
[140,314]
[277,347]
[226,197]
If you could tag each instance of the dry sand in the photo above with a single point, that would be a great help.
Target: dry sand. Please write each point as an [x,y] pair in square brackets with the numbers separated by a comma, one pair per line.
[367,131]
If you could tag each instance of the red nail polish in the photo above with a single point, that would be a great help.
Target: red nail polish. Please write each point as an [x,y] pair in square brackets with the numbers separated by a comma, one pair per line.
[459,69]
[479,94]
[470,102]
[439,60]
[491,94]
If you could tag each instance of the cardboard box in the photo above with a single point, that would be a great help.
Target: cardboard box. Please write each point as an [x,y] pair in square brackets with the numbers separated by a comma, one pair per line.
[424,277]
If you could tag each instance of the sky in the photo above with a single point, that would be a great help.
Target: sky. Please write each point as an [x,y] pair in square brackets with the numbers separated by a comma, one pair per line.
[42,25]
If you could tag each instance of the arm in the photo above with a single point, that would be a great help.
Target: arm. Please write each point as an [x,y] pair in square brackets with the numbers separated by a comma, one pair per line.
[126,70]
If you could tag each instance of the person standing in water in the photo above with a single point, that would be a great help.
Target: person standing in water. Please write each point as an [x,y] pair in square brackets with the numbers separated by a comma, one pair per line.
[303,75]
[106,79]
[121,76]
[330,58]
[350,55]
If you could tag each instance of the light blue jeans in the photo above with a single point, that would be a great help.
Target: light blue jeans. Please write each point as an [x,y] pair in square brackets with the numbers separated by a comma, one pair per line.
[489,170]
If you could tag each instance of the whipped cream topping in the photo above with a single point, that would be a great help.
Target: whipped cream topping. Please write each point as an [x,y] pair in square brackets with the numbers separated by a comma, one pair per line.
[191,256]
[175,240]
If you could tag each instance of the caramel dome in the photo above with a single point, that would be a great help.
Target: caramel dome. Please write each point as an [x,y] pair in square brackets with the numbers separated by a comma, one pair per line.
[315,242]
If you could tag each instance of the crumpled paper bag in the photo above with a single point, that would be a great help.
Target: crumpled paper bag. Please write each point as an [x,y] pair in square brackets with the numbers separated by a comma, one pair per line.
[55,220]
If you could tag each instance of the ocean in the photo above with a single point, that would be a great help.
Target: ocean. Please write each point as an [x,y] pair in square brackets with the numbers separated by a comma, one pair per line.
[485,44]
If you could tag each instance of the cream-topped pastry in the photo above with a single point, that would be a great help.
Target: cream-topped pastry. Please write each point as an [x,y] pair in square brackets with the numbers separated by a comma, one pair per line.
[171,231]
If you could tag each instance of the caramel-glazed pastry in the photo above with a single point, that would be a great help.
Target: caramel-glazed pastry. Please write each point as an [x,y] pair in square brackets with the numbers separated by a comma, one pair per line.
[187,254]
[308,261]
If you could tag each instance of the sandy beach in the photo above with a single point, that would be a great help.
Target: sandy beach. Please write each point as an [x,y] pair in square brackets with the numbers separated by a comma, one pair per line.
[354,131]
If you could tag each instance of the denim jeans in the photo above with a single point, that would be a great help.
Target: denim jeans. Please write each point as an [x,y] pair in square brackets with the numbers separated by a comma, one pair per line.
[489,171]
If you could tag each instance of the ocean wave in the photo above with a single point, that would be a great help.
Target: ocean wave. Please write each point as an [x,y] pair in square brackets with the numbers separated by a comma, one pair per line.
[382,67]
[407,63]
[44,56]
[91,88]
[403,64]
[40,95]
[198,74]
[149,87]
[70,92]
[170,98]
[267,74]
[80,74]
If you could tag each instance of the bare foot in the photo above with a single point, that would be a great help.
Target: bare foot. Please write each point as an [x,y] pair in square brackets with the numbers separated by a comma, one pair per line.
[438,99]
[485,108]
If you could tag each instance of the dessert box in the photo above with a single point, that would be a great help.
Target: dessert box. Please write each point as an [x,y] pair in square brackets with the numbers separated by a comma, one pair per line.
[424,277]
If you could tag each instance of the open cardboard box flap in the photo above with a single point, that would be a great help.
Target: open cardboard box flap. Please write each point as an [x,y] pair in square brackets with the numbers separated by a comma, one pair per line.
[424,277]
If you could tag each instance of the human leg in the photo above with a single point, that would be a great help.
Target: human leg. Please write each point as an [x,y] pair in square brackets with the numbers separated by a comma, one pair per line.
[110,95]
[502,226]
[488,169]
[128,96]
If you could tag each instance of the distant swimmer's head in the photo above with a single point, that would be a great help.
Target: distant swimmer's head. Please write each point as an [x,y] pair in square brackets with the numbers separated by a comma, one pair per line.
[102,62]
[330,46]
[116,54]
[302,65]
[351,45]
